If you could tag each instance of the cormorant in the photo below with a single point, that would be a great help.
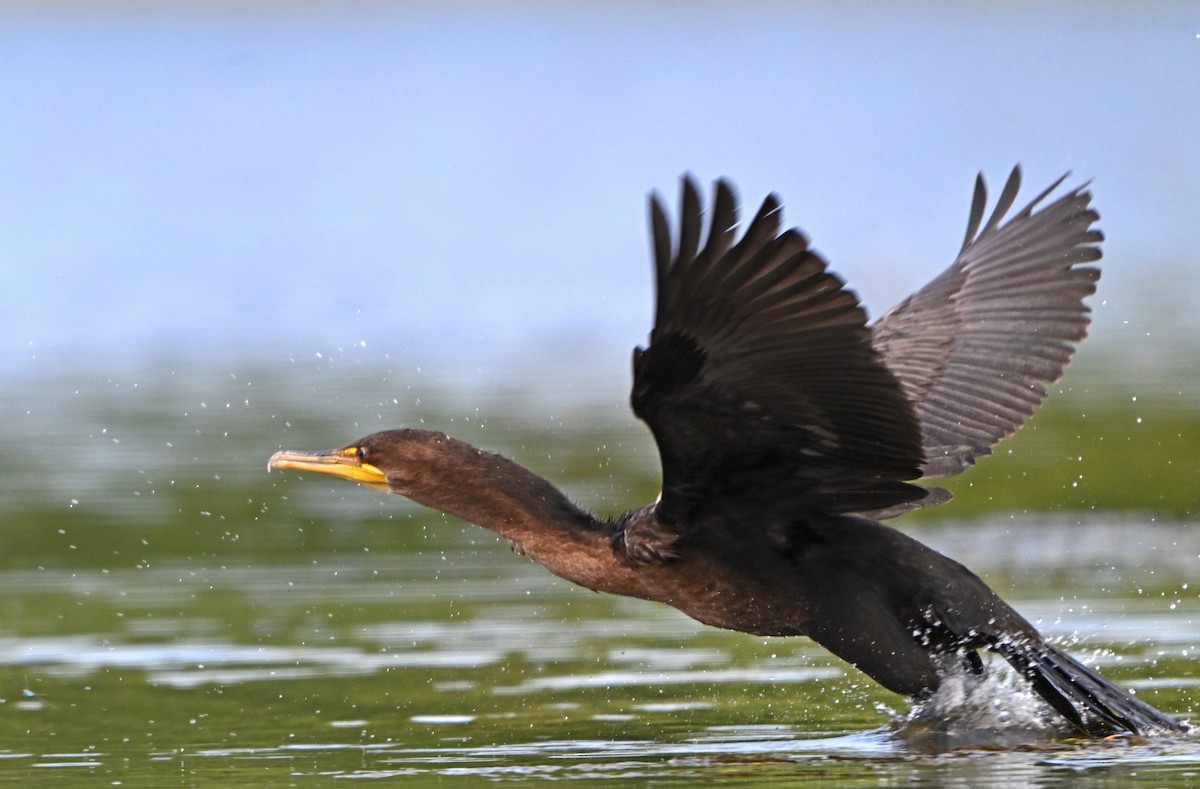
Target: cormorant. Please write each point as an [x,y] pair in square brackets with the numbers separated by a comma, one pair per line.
[788,427]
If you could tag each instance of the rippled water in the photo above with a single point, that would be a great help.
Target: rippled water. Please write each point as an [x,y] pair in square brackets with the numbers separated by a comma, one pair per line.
[174,615]
[475,663]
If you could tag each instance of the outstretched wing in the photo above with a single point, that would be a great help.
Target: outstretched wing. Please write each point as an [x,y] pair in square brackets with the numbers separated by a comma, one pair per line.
[975,347]
[760,383]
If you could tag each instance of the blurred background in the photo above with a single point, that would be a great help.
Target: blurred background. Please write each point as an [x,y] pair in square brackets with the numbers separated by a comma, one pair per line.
[449,199]
[466,182]
[227,228]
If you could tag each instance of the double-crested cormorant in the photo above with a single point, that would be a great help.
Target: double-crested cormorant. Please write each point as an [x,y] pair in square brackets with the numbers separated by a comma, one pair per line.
[787,427]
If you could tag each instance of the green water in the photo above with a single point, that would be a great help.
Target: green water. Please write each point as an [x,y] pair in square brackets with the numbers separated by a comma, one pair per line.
[173,615]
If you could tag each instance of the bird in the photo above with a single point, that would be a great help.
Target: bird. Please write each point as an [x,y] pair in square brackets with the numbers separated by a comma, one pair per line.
[789,427]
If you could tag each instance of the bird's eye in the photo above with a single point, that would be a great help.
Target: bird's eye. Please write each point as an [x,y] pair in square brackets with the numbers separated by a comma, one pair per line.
[362,454]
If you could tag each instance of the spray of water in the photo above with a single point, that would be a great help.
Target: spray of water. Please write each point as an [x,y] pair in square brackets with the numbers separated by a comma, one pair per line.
[997,709]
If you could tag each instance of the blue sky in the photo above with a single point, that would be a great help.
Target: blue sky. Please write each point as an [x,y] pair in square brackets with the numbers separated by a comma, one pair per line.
[468,181]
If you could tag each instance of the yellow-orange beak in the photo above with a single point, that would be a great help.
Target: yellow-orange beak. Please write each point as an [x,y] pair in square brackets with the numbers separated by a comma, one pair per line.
[342,463]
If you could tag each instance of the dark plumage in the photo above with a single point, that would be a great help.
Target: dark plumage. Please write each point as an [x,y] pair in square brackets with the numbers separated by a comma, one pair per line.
[787,426]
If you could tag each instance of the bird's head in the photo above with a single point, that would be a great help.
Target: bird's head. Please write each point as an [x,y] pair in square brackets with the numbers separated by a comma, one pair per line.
[391,460]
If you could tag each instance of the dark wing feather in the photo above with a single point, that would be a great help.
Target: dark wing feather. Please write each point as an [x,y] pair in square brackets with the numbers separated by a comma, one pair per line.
[1079,694]
[975,347]
[760,384]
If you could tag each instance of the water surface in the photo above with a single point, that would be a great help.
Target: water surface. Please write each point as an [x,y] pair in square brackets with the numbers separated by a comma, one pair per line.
[172,614]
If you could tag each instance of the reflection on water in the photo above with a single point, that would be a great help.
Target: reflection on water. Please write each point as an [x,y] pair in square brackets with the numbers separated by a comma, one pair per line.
[171,612]
[372,667]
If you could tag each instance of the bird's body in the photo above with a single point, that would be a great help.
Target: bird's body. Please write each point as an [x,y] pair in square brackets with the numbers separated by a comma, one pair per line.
[787,427]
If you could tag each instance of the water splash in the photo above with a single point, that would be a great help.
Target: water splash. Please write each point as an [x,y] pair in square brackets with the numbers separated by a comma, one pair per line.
[996,710]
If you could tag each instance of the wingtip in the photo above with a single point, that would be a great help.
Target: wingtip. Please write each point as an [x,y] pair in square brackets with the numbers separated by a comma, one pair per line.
[689,186]
[655,201]
[978,204]
[660,241]
[724,189]
[771,208]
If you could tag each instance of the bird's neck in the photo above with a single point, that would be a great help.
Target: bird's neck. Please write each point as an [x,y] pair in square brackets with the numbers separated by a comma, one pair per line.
[536,517]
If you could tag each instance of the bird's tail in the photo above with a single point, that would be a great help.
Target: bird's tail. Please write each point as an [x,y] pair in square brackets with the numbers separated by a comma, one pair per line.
[1090,702]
